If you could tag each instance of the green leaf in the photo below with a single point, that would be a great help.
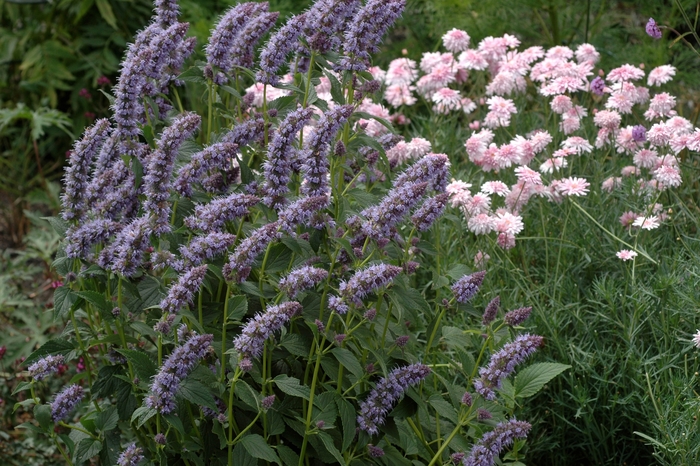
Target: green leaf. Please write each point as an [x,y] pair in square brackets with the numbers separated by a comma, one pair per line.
[176,422]
[288,456]
[197,393]
[98,300]
[63,300]
[107,419]
[257,447]
[291,386]
[246,394]
[143,365]
[107,13]
[455,337]
[348,419]
[42,413]
[444,408]
[87,448]
[531,379]
[21,387]
[347,359]
[294,344]
[55,346]
[141,415]
[59,225]
[237,307]
[330,446]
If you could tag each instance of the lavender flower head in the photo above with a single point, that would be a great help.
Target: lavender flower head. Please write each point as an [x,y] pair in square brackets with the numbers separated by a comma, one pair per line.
[66,401]
[432,169]
[132,456]
[653,29]
[277,48]
[430,211]
[125,255]
[302,212]
[374,452]
[503,363]
[46,366]
[206,247]
[301,279]
[327,20]
[366,30]
[517,316]
[157,182]
[486,450]
[337,305]
[219,50]
[251,341]
[175,368]
[79,240]
[598,86]
[367,280]
[76,179]
[243,256]
[278,166]
[247,39]
[386,393]
[491,311]
[468,286]
[639,133]
[391,210]
[213,216]
[213,157]
[182,292]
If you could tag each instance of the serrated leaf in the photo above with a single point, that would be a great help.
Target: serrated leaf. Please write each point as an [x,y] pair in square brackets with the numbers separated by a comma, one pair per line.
[141,415]
[53,347]
[237,307]
[291,386]
[21,387]
[107,419]
[330,446]
[63,300]
[42,413]
[196,393]
[96,299]
[348,419]
[59,225]
[444,408]
[455,337]
[87,448]
[176,422]
[257,447]
[288,456]
[143,365]
[531,379]
[347,359]
[246,394]
[294,344]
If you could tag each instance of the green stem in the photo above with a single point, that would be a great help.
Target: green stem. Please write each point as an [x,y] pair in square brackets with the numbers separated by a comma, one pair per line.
[223,335]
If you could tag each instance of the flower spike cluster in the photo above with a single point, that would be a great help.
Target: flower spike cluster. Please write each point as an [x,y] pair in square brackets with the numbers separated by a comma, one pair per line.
[489,447]
[66,401]
[251,341]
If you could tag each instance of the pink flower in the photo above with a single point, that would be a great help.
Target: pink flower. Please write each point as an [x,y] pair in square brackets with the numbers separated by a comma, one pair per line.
[468,106]
[480,260]
[625,73]
[645,158]
[401,71]
[431,59]
[540,140]
[399,94]
[659,135]
[587,53]
[607,119]
[509,223]
[553,164]
[661,75]
[500,112]
[668,175]
[610,184]
[456,40]
[626,254]
[647,223]
[528,175]
[661,105]
[446,100]
[495,187]
[481,224]
[630,170]
[573,186]
[561,104]
[472,60]
[578,144]
[628,218]
[696,339]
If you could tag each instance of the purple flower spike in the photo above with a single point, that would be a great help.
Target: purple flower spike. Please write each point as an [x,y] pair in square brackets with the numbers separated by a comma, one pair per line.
[278,166]
[175,368]
[132,456]
[66,401]
[326,21]
[653,29]
[206,247]
[247,39]
[391,210]
[315,164]
[212,216]
[166,11]
[430,211]
[214,157]
[366,30]
[486,450]
[432,169]
[302,211]
[46,366]
[367,280]
[76,178]
[243,256]
[219,50]
[277,48]
[79,240]
[125,255]
[375,452]
[503,363]
[387,392]
[598,86]
[157,182]
[517,316]
[251,341]
[468,286]
[491,311]
[182,292]
[301,279]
